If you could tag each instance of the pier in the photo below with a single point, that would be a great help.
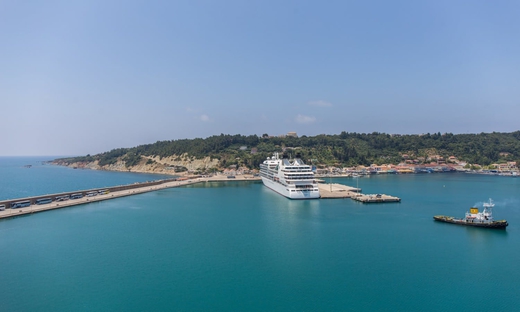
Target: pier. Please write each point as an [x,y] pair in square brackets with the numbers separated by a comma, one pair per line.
[334,190]
[69,199]
[107,193]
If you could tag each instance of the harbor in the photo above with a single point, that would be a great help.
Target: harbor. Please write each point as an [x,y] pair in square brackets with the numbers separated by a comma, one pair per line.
[23,206]
[170,234]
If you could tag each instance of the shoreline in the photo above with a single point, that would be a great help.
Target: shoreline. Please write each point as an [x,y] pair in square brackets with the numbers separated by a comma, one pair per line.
[133,189]
[165,170]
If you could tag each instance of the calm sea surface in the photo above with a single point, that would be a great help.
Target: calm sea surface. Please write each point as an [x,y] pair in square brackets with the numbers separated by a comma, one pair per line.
[238,246]
[18,181]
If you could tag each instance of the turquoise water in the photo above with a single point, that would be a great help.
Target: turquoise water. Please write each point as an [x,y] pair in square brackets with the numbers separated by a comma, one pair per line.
[239,246]
[18,181]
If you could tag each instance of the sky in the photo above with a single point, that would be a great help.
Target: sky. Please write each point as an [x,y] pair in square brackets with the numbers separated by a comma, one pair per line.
[84,77]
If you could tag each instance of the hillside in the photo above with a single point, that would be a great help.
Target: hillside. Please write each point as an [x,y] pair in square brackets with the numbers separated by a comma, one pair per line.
[346,149]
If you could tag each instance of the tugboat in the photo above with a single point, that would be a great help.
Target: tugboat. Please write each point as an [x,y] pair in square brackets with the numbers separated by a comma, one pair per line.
[474,218]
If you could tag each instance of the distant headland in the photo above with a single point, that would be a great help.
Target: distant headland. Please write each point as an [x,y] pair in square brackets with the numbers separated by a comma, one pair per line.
[344,153]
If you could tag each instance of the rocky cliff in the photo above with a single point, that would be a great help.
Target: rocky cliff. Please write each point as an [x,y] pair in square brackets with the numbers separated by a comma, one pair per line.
[174,165]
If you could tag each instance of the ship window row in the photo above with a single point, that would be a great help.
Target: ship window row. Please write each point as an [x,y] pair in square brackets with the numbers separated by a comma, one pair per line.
[297,169]
[302,185]
[307,182]
[300,180]
[300,170]
[298,177]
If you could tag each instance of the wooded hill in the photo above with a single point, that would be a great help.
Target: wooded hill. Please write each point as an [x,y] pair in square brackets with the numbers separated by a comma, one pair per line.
[345,149]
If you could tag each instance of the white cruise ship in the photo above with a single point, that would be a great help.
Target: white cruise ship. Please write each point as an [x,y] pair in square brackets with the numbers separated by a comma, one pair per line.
[290,178]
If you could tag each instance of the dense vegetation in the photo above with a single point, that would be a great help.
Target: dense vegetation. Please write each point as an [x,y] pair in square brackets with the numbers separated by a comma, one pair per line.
[347,149]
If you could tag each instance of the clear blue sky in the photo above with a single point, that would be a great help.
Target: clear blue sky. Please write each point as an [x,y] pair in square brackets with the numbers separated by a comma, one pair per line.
[83,77]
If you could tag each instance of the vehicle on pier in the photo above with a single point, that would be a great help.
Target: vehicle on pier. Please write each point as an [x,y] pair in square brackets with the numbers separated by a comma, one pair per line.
[42,201]
[105,191]
[76,196]
[474,218]
[62,198]
[93,193]
[2,207]
[21,204]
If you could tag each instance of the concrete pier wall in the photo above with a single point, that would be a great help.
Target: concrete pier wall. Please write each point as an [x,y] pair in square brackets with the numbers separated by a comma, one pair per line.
[113,192]
[111,189]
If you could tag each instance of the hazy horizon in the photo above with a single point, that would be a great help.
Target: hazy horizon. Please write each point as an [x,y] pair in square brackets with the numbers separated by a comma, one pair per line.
[83,78]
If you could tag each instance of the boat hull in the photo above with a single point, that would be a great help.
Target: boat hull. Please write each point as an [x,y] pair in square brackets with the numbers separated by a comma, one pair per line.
[282,190]
[489,225]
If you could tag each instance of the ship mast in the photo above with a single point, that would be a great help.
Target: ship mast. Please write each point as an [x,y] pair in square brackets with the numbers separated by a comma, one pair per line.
[488,210]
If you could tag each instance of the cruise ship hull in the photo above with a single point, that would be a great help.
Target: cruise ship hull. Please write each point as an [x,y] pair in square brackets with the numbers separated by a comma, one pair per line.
[282,190]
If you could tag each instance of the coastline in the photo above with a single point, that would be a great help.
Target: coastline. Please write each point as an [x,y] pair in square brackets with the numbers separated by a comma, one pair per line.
[167,168]
[183,179]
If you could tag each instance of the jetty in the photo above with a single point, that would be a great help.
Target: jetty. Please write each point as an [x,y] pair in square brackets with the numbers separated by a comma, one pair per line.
[23,206]
[334,190]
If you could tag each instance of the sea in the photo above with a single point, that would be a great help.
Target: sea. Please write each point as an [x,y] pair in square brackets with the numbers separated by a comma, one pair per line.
[238,246]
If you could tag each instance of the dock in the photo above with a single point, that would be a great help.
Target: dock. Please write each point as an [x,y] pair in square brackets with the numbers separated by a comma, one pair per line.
[111,193]
[334,190]
[327,191]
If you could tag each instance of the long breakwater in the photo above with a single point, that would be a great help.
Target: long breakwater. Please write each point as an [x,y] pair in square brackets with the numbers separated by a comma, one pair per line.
[23,206]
